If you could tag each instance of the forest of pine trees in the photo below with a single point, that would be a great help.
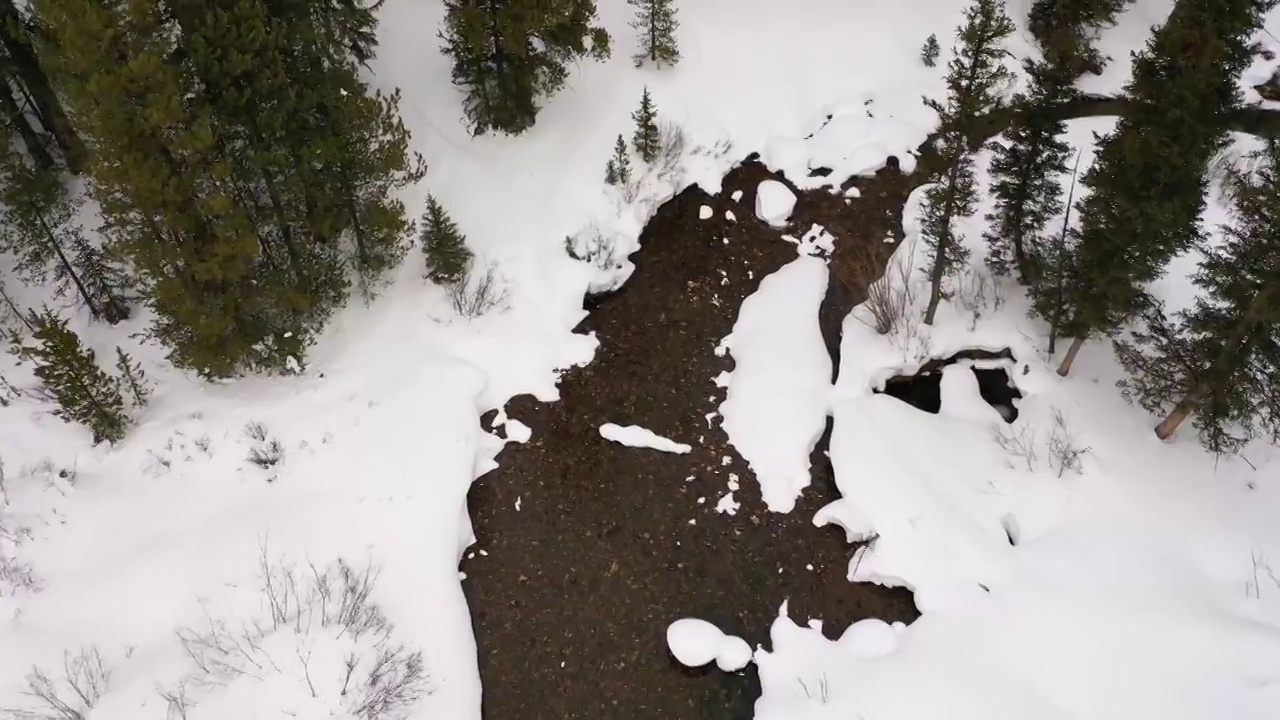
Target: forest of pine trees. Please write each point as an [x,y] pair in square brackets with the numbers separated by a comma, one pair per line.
[246,177]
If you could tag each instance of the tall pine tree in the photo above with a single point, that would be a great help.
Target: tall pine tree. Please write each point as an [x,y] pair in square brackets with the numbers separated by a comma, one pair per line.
[40,229]
[69,372]
[646,140]
[1067,29]
[976,76]
[242,166]
[1220,359]
[443,245]
[29,75]
[1148,179]
[1025,171]
[509,55]
[657,23]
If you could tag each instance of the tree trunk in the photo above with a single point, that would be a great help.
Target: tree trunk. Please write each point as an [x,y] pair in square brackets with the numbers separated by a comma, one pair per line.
[1065,368]
[9,301]
[1169,425]
[35,144]
[27,67]
[94,310]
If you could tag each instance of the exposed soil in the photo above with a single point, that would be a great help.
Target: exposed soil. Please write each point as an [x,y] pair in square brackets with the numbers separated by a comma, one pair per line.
[610,543]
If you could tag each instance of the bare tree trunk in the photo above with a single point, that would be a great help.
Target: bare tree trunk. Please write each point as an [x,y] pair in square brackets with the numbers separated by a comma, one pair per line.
[27,66]
[19,120]
[1169,425]
[1065,368]
[1060,280]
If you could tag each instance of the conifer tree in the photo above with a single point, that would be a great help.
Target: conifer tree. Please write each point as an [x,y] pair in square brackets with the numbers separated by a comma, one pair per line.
[646,140]
[1149,175]
[929,53]
[509,55]
[243,167]
[1067,29]
[1220,359]
[975,79]
[132,378]
[1025,172]
[34,142]
[618,170]
[443,245]
[69,372]
[1056,263]
[40,229]
[30,75]
[657,23]
[354,24]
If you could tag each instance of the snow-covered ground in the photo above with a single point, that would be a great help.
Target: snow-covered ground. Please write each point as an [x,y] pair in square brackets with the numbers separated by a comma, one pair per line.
[1140,586]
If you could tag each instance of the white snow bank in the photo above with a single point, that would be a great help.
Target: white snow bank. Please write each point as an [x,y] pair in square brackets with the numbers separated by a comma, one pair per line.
[1112,612]
[696,642]
[638,437]
[779,391]
[774,203]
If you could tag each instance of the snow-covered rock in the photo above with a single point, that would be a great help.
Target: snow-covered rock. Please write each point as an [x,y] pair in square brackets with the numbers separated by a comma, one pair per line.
[774,203]
[696,642]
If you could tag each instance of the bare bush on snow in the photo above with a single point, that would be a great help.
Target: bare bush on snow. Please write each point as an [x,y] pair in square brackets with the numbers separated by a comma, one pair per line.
[319,646]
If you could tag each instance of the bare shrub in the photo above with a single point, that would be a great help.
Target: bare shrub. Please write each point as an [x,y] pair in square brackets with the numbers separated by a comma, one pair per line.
[670,152]
[1018,441]
[889,292]
[266,452]
[84,680]
[478,292]
[974,290]
[1064,450]
[308,612]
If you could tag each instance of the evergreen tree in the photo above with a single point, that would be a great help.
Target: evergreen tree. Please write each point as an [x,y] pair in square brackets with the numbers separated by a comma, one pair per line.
[34,141]
[1025,172]
[1066,30]
[39,228]
[1220,359]
[646,139]
[353,23]
[444,246]
[132,378]
[510,54]
[1149,175]
[69,372]
[929,53]
[1056,264]
[618,170]
[656,21]
[102,277]
[29,75]
[975,77]
[242,166]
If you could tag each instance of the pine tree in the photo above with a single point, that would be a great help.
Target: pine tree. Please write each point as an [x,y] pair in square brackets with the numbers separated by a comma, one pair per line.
[656,21]
[1025,172]
[243,167]
[1056,265]
[132,378]
[618,171]
[102,277]
[69,372]
[1149,175]
[444,246]
[34,141]
[1220,359]
[929,53]
[975,78]
[31,77]
[1066,30]
[40,229]
[354,25]
[510,54]
[646,139]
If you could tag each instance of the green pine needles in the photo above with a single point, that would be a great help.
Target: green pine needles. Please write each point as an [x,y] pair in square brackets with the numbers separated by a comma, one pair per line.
[444,247]
[657,24]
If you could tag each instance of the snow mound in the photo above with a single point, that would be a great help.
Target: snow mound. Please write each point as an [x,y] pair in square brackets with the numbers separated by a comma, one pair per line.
[697,642]
[774,203]
[779,392]
[638,437]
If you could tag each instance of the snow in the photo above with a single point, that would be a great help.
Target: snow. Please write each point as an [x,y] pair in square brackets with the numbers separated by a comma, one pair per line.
[779,391]
[1146,578]
[638,437]
[774,203]
[705,212]
[695,643]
